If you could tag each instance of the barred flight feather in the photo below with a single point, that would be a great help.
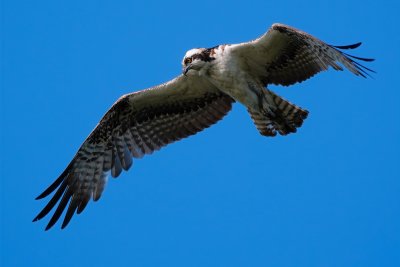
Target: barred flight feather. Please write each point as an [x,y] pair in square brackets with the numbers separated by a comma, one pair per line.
[145,121]
[111,146]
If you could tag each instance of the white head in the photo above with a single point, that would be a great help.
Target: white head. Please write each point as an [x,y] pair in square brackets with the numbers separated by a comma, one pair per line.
[197,60]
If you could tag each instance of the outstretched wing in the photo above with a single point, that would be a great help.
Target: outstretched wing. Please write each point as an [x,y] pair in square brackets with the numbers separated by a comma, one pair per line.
[137,124]
[285,55]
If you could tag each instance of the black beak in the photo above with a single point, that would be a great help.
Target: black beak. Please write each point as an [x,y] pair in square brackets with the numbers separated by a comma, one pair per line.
[186,69]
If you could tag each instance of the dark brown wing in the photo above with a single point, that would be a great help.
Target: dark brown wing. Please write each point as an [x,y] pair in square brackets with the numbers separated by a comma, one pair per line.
[285,55]
[137,124]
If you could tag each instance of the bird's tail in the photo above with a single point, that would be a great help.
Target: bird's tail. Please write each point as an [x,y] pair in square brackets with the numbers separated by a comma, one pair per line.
[283,118]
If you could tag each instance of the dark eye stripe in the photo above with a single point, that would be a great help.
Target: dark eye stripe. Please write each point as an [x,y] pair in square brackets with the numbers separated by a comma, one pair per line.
[204,56]
[198,56]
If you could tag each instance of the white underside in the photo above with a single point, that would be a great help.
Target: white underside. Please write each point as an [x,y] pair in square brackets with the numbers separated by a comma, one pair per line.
[227,74]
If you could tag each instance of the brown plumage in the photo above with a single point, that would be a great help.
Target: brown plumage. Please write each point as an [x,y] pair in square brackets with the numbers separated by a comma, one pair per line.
[213,79]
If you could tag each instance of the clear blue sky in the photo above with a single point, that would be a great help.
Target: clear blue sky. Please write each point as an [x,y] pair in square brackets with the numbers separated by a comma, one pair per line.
[328,195]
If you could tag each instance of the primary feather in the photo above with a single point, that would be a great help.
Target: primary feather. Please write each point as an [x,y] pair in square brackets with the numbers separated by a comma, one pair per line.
[213,79]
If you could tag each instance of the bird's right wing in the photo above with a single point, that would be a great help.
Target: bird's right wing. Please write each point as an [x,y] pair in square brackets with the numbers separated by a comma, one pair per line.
[137,124]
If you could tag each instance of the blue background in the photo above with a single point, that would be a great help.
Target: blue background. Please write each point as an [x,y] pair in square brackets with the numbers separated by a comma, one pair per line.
[325,196]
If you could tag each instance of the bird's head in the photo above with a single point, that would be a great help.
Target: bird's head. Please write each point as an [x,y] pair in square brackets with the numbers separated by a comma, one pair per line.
[197,61]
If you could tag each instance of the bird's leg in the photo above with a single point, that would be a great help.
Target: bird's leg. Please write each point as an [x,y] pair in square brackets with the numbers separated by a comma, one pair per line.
[266,103]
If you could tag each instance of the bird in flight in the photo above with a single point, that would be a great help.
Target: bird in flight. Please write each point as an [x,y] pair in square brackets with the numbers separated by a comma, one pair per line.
[212,80]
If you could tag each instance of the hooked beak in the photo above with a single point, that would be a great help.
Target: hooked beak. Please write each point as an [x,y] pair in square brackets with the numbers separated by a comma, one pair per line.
[186,69]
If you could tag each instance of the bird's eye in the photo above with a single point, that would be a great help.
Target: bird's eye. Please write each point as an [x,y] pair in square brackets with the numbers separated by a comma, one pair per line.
[188,60]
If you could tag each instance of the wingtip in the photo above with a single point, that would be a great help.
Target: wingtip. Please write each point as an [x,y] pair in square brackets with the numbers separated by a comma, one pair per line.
[39,197]
[51,223]
[351,46]
[65,224]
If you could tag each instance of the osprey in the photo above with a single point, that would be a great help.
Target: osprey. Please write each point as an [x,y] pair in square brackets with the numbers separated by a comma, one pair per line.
[212,80]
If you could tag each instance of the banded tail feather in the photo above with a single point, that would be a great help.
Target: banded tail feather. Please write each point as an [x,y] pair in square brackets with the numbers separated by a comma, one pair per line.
[285,119]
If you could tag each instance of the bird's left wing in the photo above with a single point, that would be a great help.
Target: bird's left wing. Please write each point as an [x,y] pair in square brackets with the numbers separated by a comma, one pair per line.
[285,55]
[137,124]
